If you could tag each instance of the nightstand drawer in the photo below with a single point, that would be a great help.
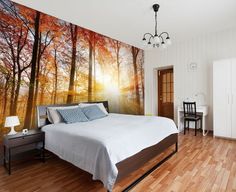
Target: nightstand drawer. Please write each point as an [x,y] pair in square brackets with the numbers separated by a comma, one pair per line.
[27,139]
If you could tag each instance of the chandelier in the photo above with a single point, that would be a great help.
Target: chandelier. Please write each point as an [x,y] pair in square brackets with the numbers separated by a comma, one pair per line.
[156,40]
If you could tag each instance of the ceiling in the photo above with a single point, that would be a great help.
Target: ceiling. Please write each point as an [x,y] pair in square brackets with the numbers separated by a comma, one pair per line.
[128,20]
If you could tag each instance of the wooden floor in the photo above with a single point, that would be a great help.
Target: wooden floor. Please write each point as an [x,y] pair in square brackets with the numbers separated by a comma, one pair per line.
[202,164]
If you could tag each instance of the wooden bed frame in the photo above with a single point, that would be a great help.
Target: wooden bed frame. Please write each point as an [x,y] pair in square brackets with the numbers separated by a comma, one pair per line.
[132,163]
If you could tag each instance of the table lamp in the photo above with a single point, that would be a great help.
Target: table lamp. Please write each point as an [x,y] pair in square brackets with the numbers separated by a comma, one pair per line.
[12,121]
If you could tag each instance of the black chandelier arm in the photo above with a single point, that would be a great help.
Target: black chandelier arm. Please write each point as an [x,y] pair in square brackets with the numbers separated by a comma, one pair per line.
[147,34]
[162,40]
[167,34]
[151,37]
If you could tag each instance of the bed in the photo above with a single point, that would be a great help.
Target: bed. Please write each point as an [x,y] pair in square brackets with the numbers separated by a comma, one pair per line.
[112,147]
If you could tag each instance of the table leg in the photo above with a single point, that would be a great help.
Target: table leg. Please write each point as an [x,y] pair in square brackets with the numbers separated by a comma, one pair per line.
[4,156]
[9,161]
[43,151]
[204,131]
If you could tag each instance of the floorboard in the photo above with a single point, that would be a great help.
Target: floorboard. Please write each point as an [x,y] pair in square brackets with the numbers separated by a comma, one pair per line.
[202,164]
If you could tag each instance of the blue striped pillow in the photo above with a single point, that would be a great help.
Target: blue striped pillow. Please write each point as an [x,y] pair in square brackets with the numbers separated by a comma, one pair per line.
[72,115]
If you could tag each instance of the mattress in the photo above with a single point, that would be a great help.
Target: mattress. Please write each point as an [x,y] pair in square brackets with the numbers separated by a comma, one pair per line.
[97,146]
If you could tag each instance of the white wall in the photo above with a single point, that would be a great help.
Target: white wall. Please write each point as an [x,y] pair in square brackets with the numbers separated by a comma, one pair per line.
[202,50]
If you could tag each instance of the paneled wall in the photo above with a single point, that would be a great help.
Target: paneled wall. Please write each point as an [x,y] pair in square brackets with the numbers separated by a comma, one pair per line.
[188,83]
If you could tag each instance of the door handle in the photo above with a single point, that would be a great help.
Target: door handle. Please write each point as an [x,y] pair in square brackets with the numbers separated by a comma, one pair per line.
[161,97]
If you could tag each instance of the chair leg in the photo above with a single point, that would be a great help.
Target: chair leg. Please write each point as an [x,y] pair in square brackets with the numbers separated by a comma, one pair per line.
[195,128]
[188,126]
[184,126]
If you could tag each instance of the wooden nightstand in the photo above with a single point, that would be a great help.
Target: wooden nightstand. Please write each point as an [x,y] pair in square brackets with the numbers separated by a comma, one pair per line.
[17,144]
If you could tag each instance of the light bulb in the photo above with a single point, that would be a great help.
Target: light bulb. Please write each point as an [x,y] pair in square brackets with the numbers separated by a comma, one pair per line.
[168,41]
[163,45]
[156,39]
[149,45]
[144,41]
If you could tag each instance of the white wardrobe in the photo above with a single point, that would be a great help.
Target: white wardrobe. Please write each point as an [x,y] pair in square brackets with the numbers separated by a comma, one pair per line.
[224,98]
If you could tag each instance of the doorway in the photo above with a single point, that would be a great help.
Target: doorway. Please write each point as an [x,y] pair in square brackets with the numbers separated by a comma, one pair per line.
[166,93]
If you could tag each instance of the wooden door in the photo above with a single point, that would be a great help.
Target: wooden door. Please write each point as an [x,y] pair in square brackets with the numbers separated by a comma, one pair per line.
[166,93]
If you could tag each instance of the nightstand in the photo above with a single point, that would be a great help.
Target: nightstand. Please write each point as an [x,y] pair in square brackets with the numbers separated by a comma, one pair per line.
[17,144]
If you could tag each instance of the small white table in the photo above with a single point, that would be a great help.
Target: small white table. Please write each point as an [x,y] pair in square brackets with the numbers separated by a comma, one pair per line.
[201,109]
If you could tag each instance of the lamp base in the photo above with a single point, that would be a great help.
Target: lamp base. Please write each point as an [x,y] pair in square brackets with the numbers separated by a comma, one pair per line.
[12,132]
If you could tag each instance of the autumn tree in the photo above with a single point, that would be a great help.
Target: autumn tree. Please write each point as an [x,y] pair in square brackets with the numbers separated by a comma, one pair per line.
[116,46]
[15,35]
[95,42]
[30,100]
[135,52]
[6,74]
[55,61]
[74,39]
[90,75]
[49,30]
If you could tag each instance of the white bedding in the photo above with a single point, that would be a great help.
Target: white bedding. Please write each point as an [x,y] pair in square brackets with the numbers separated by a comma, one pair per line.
[96,146]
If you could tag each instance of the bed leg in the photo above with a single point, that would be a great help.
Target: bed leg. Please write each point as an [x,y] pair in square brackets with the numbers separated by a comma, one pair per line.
[176,147]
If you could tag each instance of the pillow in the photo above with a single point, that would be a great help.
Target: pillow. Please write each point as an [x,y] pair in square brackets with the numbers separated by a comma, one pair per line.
[53,116]
[100,105]
[93,112]
[72,115]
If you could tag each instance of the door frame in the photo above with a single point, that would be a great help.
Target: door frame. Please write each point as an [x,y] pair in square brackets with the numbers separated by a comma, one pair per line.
[156,92]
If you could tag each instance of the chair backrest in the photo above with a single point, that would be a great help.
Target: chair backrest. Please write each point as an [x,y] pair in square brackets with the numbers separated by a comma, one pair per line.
[190,109]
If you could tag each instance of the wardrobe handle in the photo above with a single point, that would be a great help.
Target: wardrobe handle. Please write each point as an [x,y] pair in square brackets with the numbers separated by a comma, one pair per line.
[232,99]
[228,99]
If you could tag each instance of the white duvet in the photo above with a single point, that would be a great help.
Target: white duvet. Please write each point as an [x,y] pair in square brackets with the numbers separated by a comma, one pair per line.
[96,146]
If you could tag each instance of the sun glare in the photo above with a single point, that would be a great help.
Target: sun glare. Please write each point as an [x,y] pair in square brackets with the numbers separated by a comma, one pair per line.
[110,85]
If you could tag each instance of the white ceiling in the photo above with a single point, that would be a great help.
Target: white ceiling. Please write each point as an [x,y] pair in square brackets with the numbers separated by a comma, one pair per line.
[128,20]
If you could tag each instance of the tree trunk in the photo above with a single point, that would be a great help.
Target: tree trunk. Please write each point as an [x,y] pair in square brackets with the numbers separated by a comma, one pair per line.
[56,71]
[5,95]
[20,46]
[17,92]
[142,77]
[74,33]
[118,63]
[94,68]
[4,103]
[13,87]
[28,115]
[90,82]
[136,83]
[37,74]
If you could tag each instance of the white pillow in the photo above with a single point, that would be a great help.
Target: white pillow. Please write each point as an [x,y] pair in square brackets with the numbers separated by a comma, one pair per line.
[100,105]
[53,116]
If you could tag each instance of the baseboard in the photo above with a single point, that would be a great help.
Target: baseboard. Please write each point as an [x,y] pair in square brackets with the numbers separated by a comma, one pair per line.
[228,138]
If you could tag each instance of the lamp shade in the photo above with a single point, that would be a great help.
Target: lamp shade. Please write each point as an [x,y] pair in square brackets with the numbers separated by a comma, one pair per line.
[12,121]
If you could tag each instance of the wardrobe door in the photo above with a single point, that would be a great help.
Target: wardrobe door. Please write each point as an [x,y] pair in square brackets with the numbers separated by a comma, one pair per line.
[222,98]
[233,72]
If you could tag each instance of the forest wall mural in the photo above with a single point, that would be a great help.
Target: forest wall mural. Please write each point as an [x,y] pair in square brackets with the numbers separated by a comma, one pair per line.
[45,60]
